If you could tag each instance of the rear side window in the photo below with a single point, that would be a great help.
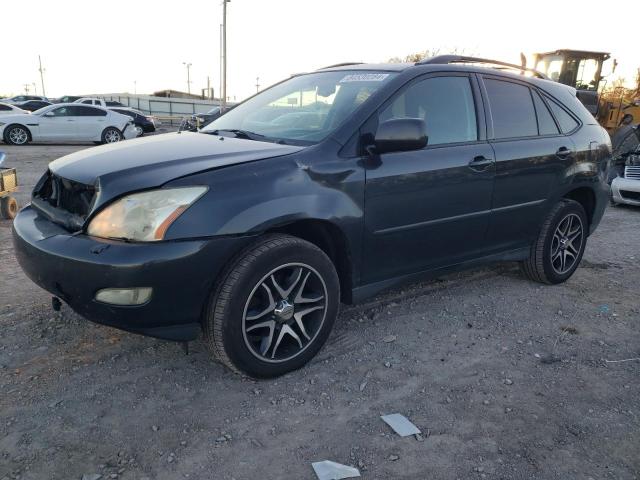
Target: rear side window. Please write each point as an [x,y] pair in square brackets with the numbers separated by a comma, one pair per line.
[546,124]
[445,104]
[5,107]
[89,112]
[566,121]
[511,109]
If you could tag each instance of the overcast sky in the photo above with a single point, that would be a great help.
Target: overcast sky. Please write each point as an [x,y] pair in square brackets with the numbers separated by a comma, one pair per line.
[102,46]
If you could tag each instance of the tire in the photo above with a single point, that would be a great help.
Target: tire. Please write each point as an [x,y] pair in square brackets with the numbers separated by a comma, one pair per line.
[8,208]
[565,224]
[112,135]
[17,135]
[248,325]
[139,130]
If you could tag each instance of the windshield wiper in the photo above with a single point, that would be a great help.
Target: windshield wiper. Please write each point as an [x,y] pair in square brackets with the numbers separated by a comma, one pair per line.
[240,133]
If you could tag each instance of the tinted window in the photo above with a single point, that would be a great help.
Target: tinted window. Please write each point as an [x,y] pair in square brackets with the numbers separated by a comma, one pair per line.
[444,103]
[566,121]
[125,112]
[87,102]
[546,124]
[5,107]
[511,109]
[88,112]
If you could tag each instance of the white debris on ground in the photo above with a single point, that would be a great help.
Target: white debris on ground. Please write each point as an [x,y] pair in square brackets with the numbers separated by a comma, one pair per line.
[400,424]
[328,470]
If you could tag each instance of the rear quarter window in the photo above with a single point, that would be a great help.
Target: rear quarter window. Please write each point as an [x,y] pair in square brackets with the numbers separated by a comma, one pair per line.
[565,119]
[512,109]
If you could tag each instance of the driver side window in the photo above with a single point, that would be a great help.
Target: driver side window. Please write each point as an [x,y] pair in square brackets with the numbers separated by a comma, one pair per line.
[445,104]
[60,112]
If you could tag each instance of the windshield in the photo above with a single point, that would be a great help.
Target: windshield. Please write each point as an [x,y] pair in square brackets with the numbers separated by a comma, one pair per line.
[304,109]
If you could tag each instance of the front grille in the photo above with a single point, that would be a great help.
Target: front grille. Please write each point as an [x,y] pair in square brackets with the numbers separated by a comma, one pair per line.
[630,195]
[64,201]
[632,173]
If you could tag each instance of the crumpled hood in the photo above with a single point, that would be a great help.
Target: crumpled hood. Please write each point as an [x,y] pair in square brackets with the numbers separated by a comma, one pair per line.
[150,162]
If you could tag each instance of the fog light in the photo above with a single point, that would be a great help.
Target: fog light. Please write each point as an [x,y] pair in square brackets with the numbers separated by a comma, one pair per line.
[124,296]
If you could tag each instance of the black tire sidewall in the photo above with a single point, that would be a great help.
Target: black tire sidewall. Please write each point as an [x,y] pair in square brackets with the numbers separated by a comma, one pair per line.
[5,208]
[568,207]
[232,334]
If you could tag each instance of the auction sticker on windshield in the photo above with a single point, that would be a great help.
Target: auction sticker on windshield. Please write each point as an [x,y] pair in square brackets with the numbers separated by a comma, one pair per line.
[364,77]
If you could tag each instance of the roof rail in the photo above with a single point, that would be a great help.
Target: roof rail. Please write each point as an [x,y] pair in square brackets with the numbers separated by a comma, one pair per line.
[446,59]
[344,64]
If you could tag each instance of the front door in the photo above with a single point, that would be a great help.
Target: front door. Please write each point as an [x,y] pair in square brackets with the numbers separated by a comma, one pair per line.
[57,124]
[429,208]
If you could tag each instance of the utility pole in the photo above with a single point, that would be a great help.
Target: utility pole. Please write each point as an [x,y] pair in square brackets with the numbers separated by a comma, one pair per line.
[188,65]
[35,89]
[135,87]
[41,70]
[220,67]
[257,84]
[26,88]
[224,53]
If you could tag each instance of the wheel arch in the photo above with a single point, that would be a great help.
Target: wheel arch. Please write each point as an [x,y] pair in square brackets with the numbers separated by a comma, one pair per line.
[586,197]
[329,238]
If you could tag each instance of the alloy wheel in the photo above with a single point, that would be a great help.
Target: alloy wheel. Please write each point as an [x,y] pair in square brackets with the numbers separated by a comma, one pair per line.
[566,244]
[111,136]
[284,312]
[18,136]
[139,130]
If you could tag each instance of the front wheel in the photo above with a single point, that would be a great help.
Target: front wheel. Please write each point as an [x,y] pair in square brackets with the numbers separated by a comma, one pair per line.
[139,130]
[111,135]
[274,308]
[557,252]
[16,135]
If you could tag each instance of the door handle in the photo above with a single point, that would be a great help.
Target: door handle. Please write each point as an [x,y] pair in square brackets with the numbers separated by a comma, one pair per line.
[563,152]
[480,163]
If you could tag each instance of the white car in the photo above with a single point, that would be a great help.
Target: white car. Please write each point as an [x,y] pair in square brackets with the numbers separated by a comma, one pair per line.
[67,122]
[92,101]
[8,109]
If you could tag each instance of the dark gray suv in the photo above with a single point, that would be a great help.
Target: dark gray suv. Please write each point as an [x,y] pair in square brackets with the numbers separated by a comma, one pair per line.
[326,188]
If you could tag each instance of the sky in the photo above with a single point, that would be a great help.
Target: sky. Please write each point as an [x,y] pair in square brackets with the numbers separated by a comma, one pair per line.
[141,45]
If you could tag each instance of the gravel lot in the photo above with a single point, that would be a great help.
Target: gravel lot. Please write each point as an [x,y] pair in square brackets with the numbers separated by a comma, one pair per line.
[465,357]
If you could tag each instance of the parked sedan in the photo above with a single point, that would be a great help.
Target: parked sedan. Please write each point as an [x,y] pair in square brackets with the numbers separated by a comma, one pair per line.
[24,98]
[8,109]
[142,123]
[33,105]
[66,122]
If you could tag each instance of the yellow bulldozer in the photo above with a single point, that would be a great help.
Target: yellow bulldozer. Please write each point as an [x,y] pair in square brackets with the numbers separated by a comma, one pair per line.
[582,70]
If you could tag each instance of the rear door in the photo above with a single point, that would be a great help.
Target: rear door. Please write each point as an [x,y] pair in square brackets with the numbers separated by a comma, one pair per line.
[429,208]
[91,122]
[530,154]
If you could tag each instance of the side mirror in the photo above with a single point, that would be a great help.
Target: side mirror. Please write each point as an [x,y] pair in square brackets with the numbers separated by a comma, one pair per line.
[401,135]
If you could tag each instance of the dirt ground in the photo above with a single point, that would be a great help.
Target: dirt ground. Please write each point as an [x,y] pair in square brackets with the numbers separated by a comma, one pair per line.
[465,357]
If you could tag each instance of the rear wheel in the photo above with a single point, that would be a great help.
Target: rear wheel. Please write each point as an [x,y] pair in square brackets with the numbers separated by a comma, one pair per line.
[560,245]
[139,130]
[8,208]
[16,135]
[273,308]
[111,135]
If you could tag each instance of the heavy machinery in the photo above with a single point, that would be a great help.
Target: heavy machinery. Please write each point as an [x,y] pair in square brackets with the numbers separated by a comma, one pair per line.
[582,70]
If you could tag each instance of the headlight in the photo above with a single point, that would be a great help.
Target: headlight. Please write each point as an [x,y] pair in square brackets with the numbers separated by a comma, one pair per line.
[145,216]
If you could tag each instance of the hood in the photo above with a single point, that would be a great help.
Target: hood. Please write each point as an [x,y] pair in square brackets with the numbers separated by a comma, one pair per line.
[150,162]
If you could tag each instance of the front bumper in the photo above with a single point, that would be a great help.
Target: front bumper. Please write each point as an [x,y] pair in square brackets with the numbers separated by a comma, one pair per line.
[626,191]
[75,267]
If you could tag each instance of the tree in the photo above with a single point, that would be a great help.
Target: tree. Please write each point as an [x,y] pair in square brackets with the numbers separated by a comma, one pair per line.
[428,53]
